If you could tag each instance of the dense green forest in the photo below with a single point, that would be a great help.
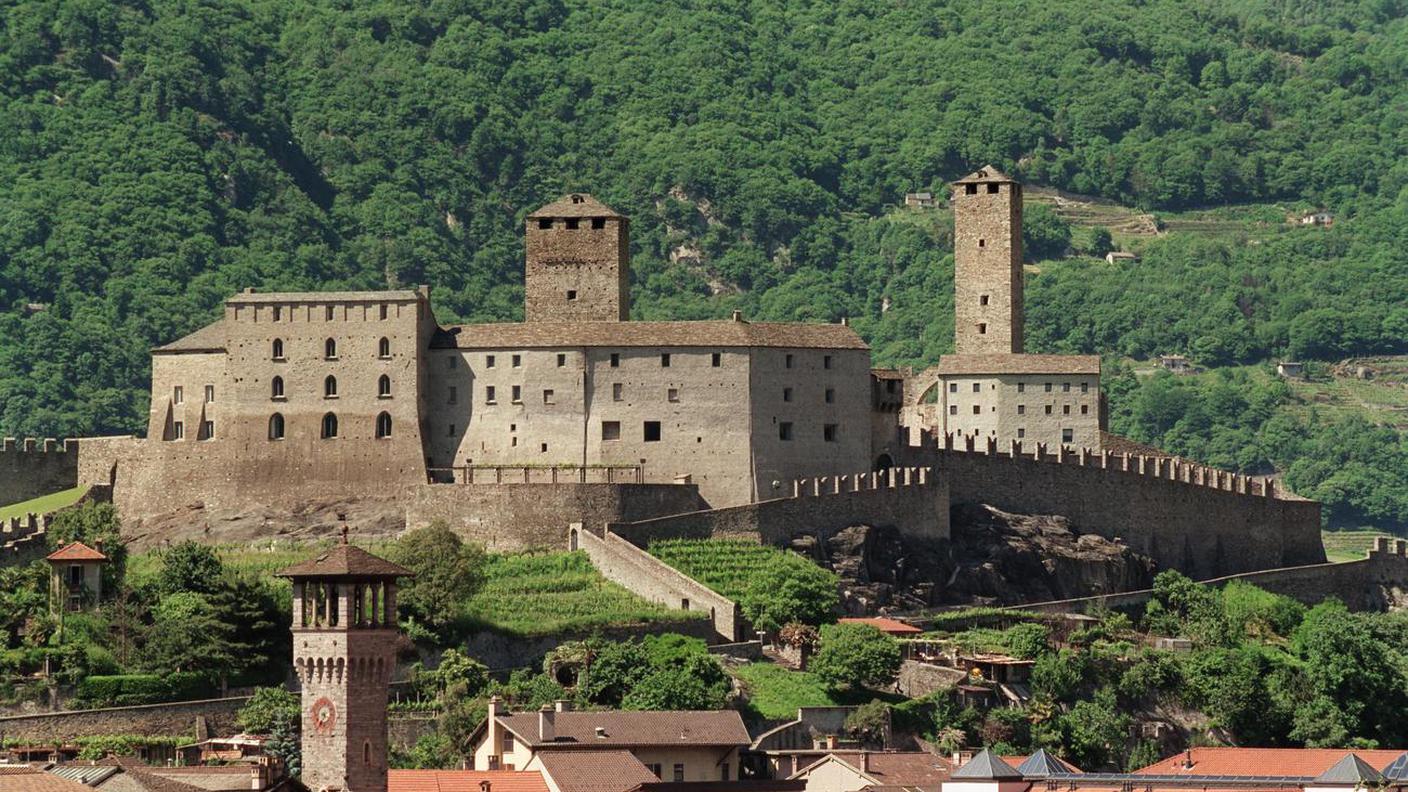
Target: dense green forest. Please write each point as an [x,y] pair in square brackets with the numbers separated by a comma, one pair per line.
[158,155]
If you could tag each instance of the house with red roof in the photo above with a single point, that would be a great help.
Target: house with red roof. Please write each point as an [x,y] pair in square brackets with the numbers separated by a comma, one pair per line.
[893,627]
[75,576]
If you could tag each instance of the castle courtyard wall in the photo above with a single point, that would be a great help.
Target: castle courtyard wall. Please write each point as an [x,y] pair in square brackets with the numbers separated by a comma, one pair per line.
[30,468]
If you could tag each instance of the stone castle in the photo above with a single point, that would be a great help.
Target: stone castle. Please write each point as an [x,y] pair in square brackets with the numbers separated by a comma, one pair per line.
[577,414]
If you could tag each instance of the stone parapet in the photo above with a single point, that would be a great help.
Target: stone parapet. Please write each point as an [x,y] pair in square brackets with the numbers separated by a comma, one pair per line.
[32,467]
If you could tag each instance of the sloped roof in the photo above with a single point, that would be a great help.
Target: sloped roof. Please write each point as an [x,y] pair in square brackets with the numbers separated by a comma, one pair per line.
[1350,770]
[1397,770]
[210,338]
[1042,765]
[1018,364]
[884,625]
[23,778]
[1119,444]
[595,771]
[576,205]
[464,781]
[346,560]
[75,551]
[900,768]
[629,729]
[717,333]
[986,173]
[317,297]
[986,766]
[1284,762]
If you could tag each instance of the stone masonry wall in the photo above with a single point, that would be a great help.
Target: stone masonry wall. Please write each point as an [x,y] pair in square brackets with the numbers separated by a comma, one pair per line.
[30,468]
[1200,521]
[646,576]
[173,719]
[511,517]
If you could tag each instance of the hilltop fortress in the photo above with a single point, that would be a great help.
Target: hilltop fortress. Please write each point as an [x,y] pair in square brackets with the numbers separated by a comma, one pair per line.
[511,431]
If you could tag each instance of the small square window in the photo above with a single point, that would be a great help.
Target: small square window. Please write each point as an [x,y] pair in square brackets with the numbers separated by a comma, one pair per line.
[982,243]
[1067,435]
[970,189]
[664,360]
[1021,432]
[573,223]
[1021,409]
[571,295]
[982,328]
[716,359]
[787,394]
[598,223]
[977,387]
[828,433]
[652,431]
[207,430]
[788,361]
[615,360]
[544,448]
[517,394]
[993,189]
[1048,409]
[547,396]
[953,409]
[1065,409]
[673,394]
[830,395]
[1065,387]
[826,361]
[610,430]
[1085,387]
[953,387]
[1021,387]
[784,430]
[561,361]
[488,361]
[490,394]
[1048,387]
[983,300]
[618,391]
[451,430]
[517,361]
[977,409]
[545,223]
[1085,409]
[178,431]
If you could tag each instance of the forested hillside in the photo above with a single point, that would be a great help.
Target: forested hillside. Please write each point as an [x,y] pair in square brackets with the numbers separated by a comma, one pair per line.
[156,156]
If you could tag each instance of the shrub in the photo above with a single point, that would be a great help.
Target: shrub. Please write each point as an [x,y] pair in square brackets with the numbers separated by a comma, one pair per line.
[855,655]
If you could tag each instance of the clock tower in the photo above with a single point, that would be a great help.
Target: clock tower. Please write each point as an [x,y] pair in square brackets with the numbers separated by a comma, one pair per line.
[344,649]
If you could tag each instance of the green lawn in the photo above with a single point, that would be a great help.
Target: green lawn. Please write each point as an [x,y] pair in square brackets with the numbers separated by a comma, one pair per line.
[261,561]
[1348,545]
[43,504]
[545,593]
[775,691]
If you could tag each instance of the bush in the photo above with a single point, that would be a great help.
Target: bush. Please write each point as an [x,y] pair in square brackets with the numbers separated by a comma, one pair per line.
[790,589]
[124,690]
[447,573]
[269,708]
[855,655]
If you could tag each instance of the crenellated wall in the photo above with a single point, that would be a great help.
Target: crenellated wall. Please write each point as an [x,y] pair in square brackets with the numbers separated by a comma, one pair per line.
[30,468]
[1202,521]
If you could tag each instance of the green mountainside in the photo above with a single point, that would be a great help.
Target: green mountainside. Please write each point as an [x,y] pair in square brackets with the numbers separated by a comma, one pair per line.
[157,156]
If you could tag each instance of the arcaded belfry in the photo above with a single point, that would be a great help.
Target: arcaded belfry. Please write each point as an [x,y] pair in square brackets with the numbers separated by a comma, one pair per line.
[344,650]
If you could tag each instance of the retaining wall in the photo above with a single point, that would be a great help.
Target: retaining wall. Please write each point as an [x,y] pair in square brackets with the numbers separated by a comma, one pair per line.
[178,718]
[918,679]
[30,468]
[647,576]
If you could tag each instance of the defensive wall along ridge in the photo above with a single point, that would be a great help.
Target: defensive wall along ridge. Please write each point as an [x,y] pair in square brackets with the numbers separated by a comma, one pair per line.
[31,467]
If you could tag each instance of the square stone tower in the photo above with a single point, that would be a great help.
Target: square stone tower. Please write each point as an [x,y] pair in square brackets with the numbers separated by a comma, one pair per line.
[578,264]
[987,258]
[344,649]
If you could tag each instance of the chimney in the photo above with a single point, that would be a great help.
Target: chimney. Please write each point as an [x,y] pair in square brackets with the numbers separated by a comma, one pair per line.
[601,733]
[845,321]
[563,705]
[737,315]
[492,734]
[1188,759]
[865,761]
[483,786]
[546,732]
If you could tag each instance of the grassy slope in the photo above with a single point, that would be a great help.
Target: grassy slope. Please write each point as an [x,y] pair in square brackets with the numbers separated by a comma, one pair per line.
[1348,545]
[43,504]
[726,566]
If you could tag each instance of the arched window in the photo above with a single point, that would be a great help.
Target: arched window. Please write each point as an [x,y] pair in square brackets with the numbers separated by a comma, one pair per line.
[383,386]
[329,426]
[277,353]
[330,387]
[383,348]
[276,426]
[330,349]
[383,425]
[276,388]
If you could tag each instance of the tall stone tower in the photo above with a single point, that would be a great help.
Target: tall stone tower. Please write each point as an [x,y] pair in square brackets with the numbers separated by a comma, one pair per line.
[344,640]
[987,257]
[578,265]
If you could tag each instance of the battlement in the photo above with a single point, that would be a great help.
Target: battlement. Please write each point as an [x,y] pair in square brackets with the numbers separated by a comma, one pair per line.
[892,478]
[30,445]
[1386,547]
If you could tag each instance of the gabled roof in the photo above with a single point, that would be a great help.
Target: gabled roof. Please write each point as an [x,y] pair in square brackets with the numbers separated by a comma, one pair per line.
[717,333]
[1018,364]
[346,560]
[1397,770]
[986,766]
[75,551]
[884,625]
[1351,771]
[318,298]
[576,205]
[594,771]
[1042,765]
[621,729]
[210,338]
[1283,762]
[464,781]
[23,778]
[986,174]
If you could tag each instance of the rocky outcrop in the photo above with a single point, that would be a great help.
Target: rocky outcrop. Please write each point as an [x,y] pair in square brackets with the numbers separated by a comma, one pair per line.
[993,558]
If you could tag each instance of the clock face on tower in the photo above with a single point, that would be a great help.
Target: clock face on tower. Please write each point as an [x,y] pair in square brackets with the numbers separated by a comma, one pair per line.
[324,715]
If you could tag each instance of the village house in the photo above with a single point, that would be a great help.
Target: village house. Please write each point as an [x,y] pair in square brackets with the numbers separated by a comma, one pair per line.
[1120,257]
[75,577]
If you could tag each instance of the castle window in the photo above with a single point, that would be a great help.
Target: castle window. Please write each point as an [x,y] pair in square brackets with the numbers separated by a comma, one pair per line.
[953,409]
[517,361]
[977,409]
[455,394]
[1065,409]
[1021,432]
[367,753]
[328,313]
[826,361]
[977,387]
[517,394]
[488,361]
[679,771]
[1068,435]
[451,430]
[544,448]
[982,328]
[209,393]
[383,425]
[1021,409]
[982,243]
[1048,387]
[329,426]
[652,431]
[1021,387]
[571,294]
[716,360]
[1085,387]
[784,430]
[383,387]
[830,395]
[1065,387]
[673,394]
[615,360]
[276,388]
[610,430]
[383,313]
[1048,409]
[561,361]
[178,395]
[970,189]
[278,313]
[664,360]
[573,223]
[828,433]
[450,362]
[545,223]
[383,348]
[330,387]
[276,426]
[598,223]
[207,430]
[953,387]
[983,300]
[547,396]
[788,361]
[993,189]
[178,431]
[618,391]
[330,349]
[1085,409]
[490,395]
[787,394]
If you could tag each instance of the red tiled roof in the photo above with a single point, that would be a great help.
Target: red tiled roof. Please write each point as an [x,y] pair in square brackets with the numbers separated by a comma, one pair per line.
[896,768]
[464,781]
[594,771]
[629,729]
[884,625]
[1304,762]
[75,551]
[704,333]
[23,778]
[346,560]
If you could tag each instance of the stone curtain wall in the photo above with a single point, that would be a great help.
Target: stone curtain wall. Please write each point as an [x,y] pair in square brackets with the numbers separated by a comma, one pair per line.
[1201,521]
[647,576]
[30,468]
[910,499]
[171,719]
[512,517]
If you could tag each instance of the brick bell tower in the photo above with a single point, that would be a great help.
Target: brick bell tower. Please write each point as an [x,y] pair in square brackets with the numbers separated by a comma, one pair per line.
[578,262]
[344,649]
[987,263]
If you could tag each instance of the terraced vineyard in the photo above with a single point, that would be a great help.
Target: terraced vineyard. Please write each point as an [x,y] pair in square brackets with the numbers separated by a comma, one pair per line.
[726,566]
